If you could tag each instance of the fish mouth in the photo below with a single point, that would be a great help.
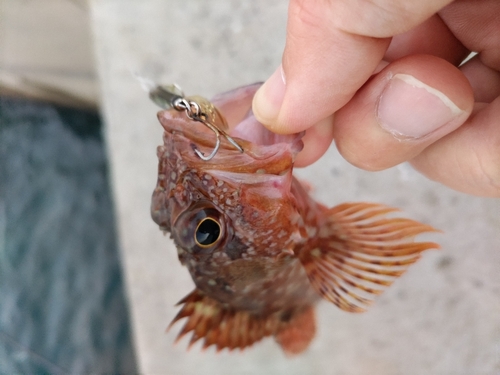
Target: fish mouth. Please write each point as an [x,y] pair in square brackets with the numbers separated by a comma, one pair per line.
[235,106]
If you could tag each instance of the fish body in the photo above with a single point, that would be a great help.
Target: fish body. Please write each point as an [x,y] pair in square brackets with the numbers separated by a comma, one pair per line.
[260,250]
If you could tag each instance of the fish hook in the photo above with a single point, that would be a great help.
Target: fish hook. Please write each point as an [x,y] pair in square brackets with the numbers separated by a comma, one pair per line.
[171,96]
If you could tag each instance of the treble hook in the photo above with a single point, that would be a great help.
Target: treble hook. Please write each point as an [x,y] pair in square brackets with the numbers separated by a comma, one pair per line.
[171,96]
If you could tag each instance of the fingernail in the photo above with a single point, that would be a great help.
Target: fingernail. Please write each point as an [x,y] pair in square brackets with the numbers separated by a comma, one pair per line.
[268,99]
[408,108]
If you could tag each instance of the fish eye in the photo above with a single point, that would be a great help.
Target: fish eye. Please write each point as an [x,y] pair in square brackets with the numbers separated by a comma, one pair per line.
[207,232]
[200,229]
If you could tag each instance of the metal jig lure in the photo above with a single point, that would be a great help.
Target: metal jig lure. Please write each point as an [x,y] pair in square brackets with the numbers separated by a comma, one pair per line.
[171,96]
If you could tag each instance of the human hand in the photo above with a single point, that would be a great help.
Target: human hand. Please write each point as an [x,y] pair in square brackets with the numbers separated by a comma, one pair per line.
[381,79]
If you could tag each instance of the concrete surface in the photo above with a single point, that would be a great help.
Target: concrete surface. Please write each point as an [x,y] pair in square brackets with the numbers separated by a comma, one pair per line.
[442,317]
[46,51]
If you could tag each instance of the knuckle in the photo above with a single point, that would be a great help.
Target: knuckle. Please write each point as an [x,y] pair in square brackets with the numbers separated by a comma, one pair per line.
[488,171]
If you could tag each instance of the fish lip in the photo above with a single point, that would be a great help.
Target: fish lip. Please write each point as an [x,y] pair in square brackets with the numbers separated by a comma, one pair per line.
[235,104]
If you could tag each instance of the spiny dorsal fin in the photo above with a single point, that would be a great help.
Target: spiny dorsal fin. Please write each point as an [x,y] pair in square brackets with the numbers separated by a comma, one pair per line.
[228,328]
[357,254]
[220,326]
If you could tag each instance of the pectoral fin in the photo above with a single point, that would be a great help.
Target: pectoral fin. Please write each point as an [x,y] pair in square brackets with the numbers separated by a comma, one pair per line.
[357,253]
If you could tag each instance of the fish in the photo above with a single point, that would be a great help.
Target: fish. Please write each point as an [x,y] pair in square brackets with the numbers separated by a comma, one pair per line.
[260,250]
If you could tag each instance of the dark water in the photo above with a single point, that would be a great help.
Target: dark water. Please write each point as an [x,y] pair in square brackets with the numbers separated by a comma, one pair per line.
[62,300]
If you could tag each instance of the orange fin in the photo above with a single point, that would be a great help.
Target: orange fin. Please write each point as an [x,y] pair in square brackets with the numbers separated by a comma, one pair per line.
[357,254]
[228,328]
[296,336]
[221,326]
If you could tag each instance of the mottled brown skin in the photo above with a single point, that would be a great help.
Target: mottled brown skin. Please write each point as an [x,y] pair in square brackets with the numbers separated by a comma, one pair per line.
[253,267]
[279,251]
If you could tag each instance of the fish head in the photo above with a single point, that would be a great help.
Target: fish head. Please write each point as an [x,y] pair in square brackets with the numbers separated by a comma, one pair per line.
[236,206]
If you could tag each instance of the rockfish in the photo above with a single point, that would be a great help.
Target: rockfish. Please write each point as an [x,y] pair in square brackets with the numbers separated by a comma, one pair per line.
[260,250]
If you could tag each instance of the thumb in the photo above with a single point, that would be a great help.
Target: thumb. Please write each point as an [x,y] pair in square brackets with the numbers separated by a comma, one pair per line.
[332,48]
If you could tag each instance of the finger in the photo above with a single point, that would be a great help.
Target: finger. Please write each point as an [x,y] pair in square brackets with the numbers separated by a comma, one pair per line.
[409,105]
[477,25]
[316,141]
[485,81]
[432,37]
[468,159]
[332,48]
